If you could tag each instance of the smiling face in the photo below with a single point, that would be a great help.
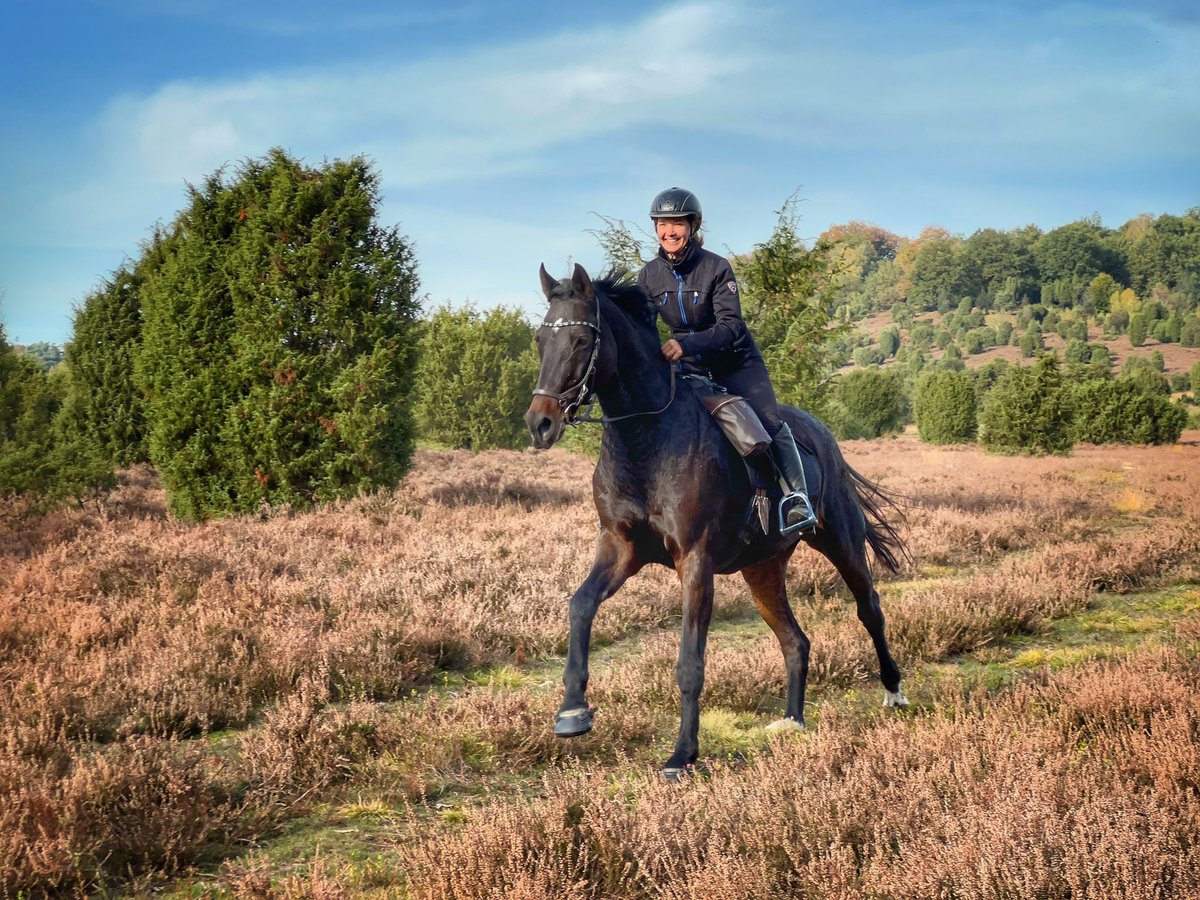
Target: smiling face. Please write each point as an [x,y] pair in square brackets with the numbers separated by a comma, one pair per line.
[673,235]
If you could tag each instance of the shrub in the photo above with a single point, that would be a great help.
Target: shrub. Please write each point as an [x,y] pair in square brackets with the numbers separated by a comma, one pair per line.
[1122,411]
[103,403]
[1194,375]
[889,341]
[38,459]
[868,356]
[277,352]
[945,408]
[1138,330]
[1189,331]
[475,377]
[1077,351]
[1146,373]
[868,403]
[1027,412]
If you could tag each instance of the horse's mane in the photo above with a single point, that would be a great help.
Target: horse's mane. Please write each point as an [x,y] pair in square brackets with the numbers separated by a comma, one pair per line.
[621,287]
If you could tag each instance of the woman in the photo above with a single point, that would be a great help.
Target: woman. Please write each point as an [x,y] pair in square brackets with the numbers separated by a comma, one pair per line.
[696,293]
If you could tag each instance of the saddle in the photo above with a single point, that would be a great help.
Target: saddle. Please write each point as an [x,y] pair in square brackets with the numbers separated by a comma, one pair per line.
[745,432]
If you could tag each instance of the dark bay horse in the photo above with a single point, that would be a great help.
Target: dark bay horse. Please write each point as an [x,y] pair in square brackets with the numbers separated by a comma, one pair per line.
[669,489]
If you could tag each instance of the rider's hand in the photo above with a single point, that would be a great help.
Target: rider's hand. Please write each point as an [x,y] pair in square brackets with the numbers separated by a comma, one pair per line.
[672,350]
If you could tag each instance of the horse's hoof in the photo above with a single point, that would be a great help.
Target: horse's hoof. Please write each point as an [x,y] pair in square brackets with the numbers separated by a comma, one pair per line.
[783,726]
[894,699]
[677,774]
[574,722]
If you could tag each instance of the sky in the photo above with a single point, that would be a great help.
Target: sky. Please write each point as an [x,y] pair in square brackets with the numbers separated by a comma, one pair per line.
[502,130]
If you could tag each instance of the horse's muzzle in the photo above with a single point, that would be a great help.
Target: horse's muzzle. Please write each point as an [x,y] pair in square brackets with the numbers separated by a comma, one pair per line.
[546,421]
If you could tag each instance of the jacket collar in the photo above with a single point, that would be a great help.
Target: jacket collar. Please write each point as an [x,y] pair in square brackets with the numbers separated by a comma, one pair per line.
[685,263]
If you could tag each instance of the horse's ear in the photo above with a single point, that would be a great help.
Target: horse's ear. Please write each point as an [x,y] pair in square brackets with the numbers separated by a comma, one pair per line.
[581,282]
[548,283]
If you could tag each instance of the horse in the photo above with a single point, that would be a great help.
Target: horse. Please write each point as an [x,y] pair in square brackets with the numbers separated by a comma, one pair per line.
[670,489]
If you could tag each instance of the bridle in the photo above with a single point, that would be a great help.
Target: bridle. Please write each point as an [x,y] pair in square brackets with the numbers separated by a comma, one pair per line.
[582,392]
[583,388]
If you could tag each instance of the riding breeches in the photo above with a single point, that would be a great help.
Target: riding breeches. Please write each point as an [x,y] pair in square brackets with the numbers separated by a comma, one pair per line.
[752,381]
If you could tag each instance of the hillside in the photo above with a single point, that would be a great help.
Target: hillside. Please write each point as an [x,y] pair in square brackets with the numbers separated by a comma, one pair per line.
[1177,359]
[358,701]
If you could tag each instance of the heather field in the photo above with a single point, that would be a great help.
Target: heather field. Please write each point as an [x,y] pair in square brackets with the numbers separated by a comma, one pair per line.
[359,701]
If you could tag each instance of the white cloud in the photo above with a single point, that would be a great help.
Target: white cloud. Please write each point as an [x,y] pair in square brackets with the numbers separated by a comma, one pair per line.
[722,66]
[447,118]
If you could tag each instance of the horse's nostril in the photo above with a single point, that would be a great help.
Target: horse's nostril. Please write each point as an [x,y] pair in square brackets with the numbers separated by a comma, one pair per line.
[544,428]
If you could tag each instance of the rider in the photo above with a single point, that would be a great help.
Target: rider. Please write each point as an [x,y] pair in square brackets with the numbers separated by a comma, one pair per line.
[696,293]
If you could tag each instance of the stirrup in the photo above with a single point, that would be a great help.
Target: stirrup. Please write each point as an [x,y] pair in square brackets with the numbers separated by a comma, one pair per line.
[809,521]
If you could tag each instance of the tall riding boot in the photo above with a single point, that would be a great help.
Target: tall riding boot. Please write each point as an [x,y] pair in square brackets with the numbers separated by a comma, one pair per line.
[795,509]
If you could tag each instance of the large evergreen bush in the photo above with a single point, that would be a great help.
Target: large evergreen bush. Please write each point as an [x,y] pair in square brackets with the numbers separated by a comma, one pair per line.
[103,405]
[475,378]
[38,459]
[945,408]
[1027,411]
[278,345]
[868,403]
[1122,411]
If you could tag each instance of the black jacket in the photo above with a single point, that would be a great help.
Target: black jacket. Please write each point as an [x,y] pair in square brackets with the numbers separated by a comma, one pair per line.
[697,296]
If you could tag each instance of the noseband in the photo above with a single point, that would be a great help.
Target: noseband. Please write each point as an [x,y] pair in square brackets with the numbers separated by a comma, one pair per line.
[582,390]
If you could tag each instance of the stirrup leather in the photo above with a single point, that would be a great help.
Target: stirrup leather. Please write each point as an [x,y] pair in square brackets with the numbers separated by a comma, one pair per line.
[809,520]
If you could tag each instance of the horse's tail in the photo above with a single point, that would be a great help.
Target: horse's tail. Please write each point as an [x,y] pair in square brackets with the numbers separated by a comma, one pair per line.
[885,540]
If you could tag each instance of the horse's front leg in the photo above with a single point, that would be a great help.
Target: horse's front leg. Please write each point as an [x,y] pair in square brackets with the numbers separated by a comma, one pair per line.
[696,574]
[615,562]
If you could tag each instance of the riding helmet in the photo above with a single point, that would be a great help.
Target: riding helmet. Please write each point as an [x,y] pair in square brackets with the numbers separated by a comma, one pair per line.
[675,203]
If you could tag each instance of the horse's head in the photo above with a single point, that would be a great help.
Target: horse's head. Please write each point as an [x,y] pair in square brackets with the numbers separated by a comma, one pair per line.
[568,343]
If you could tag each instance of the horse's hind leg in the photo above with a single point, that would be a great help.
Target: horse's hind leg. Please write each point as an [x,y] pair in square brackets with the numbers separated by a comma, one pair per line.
[848,554]
[767,581]
[615,562]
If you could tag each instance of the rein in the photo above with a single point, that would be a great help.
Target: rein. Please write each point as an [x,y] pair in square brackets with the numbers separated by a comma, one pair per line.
[584,394]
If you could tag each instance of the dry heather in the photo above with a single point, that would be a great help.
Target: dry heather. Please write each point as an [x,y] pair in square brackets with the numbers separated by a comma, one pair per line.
[1079,785]
[324,641]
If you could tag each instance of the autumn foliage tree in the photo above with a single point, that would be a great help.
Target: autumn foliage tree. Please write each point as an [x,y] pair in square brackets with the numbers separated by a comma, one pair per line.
[278,344]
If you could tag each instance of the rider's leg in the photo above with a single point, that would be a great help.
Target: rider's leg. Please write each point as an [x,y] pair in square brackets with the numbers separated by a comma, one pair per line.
[799,515]
[752,381]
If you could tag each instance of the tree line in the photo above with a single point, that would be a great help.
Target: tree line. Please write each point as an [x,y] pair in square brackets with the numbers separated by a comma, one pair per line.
[268,348]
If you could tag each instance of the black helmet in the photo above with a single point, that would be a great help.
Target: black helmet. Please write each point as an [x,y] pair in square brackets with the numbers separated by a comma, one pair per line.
[675,203]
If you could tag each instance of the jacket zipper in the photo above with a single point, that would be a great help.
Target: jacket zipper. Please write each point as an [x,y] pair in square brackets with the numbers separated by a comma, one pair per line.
[683,309]
[679,298]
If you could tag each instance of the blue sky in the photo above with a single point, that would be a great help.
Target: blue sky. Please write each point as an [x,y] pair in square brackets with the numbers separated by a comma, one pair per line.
[500,128]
